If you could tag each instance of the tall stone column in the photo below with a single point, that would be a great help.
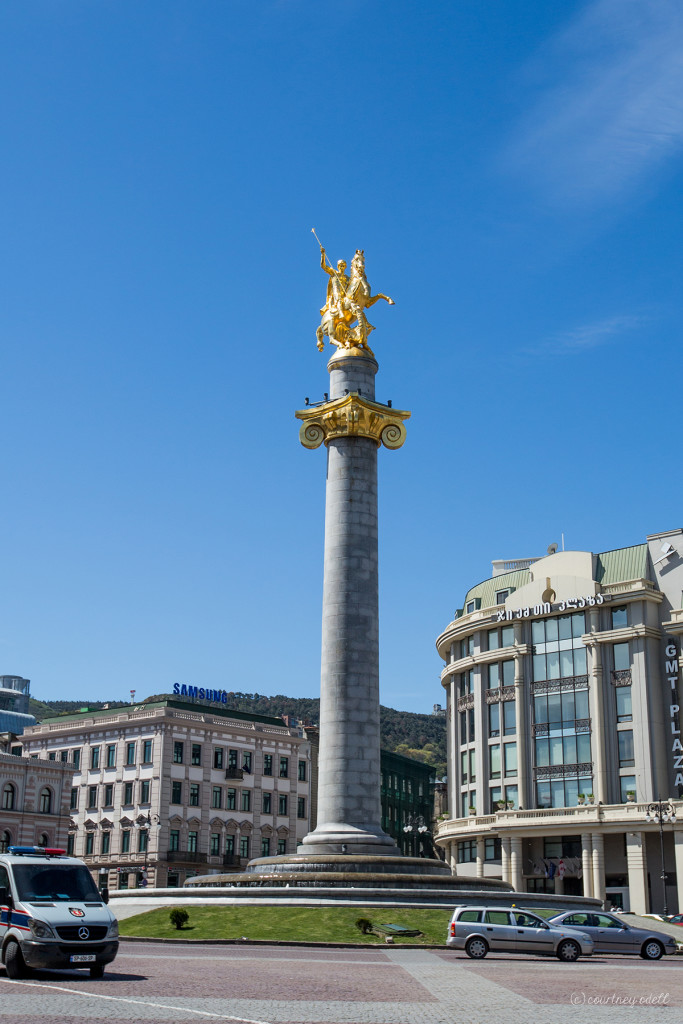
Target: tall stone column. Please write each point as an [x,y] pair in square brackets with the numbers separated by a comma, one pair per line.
[481,856]
[598,866]
[505,855]
[587,863]
[637,872]
[352,426]
[516,872]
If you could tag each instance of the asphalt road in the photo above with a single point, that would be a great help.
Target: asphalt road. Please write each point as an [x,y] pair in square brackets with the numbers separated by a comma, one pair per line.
[159,983]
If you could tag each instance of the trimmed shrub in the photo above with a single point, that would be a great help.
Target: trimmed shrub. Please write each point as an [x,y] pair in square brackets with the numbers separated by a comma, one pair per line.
[179,917]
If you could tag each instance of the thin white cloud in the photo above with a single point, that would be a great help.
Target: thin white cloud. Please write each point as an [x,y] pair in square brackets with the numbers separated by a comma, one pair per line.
[611,109]
[587,336]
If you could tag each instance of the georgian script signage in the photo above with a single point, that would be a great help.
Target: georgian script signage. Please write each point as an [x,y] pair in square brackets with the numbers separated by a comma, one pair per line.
[200,693]
[573,604]
[672,665]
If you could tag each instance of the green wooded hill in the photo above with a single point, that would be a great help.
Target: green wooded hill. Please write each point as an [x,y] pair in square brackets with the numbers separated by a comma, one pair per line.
[422,737]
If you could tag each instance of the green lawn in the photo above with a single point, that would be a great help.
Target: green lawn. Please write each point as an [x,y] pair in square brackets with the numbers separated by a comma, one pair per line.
[303,924]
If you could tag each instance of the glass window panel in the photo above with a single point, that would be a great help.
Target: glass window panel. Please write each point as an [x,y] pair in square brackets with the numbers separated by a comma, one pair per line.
[542,752]
[625,738]
[624,704]
[580,661]
[581,703]
[619,618]
[578,624]
[495,794]
[566,664]
[538,632]
[493,639]
[473,765]
[541,708]
[628,785]
[470,724]
[551,629]
[554,708]
[583,747]
[568,706]
[510,758]
[512,795]
[622,657]
[557,793]
[464,804]
[569,747]
[539,667]
[463,727]
[508,673]
[464,763]
[556,750]
[507,636]
[494,676]
[571,791]
[509,722]
[543,794]
[494,719]
[553,660]
[494,761]
[565,627]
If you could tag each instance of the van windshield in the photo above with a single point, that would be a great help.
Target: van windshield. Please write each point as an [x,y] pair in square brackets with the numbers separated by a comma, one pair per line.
[55,882]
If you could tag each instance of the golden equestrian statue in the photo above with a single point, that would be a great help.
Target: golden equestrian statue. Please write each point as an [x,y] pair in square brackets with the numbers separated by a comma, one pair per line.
[348,296]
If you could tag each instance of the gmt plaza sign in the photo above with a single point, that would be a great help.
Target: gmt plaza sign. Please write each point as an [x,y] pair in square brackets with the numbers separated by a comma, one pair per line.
[545,608]
[672,664]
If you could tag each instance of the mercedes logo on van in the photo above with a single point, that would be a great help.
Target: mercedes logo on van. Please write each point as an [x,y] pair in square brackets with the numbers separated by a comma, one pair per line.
[77,912]
[84,933]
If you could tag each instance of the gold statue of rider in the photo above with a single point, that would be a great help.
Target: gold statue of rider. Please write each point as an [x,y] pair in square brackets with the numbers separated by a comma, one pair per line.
[348,296]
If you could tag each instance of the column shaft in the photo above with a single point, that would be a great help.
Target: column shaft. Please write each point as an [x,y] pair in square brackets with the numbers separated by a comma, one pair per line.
[637,872]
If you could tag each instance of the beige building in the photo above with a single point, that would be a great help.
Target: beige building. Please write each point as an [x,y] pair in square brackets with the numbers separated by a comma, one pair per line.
[171,789]
[34,798]
[562,677]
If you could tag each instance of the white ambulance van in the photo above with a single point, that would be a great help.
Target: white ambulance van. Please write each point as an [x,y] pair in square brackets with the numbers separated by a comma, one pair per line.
[51,913]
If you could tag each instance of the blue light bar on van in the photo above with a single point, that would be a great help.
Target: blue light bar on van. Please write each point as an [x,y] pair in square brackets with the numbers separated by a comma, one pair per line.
[46,851]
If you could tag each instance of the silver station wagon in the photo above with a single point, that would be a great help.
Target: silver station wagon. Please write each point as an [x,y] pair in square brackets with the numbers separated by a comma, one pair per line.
[479,930]
[610,934]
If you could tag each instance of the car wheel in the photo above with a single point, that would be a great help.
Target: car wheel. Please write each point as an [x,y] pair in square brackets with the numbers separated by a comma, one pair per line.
[14,961]
[568,951]
[652,950]
[476,948]
[97,971]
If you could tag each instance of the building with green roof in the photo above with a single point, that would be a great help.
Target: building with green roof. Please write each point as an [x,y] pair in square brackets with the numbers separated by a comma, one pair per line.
[562,677]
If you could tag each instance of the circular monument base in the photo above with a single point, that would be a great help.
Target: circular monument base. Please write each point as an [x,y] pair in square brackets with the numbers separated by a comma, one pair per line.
[331,871]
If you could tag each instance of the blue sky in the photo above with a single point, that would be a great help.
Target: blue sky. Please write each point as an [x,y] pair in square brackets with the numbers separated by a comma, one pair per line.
[513,172]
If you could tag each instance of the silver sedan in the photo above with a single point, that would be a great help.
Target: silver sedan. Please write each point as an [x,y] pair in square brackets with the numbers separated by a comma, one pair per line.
[611,934]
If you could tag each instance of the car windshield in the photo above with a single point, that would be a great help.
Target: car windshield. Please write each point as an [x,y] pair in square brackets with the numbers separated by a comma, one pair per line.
[55,882]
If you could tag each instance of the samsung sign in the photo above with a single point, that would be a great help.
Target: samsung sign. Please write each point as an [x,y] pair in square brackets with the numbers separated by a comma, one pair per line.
[199,693]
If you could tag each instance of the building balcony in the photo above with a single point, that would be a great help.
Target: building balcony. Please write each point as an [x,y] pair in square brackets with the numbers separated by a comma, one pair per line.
[186,857]
[551,821]
[234,773]
[621,677]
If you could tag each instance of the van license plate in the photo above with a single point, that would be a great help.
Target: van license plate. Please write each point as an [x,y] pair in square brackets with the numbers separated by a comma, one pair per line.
[82,958]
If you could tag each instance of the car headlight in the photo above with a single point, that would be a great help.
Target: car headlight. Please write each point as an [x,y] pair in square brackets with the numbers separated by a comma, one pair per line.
[41,929]
[113,932]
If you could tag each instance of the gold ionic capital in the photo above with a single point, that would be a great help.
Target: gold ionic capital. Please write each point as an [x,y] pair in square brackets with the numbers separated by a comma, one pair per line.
[352,416]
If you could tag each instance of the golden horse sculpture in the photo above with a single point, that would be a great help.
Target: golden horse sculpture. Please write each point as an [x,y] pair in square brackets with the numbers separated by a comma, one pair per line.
[348,296]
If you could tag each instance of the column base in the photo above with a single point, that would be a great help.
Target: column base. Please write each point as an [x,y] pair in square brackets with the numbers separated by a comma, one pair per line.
[340,838]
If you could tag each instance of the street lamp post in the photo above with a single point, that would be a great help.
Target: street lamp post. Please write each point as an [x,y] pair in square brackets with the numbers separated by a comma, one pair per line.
[415,827]
[659,812]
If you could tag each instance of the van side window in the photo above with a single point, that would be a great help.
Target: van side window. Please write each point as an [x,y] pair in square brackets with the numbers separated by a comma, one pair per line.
[497,917]
[470,915]
[4,878]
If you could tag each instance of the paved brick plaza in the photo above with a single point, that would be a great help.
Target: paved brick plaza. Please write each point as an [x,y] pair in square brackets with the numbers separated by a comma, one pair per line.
[159,983]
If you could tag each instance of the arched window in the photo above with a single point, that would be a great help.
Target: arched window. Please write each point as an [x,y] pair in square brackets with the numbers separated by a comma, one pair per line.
[45,801]
[44,839]
[5,841]
[8,794]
